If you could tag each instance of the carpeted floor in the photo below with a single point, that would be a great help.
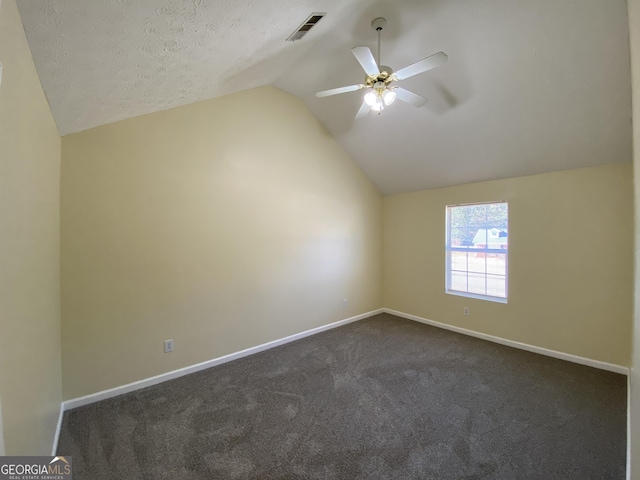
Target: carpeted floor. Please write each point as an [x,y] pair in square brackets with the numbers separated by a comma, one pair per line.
[382,398]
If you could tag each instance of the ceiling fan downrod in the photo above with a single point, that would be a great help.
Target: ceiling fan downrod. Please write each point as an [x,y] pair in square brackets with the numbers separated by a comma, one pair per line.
[378,24]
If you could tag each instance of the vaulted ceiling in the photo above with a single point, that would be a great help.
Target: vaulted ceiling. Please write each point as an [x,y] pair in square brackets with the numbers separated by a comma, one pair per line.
[530,87]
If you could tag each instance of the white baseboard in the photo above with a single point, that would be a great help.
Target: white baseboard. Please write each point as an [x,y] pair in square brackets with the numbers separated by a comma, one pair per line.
[56,437]
[147,382]
[511,343]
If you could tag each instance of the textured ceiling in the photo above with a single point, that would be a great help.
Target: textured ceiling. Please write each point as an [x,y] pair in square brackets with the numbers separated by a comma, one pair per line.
[103,61]
[530,87]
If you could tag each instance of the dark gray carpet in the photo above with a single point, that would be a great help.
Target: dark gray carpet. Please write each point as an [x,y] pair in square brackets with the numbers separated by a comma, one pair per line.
[382,398]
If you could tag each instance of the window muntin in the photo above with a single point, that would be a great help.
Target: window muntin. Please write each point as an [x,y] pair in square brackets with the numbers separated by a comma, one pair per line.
[477,250]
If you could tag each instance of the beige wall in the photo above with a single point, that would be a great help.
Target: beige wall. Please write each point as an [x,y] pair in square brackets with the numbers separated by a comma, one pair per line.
[29,249]
[222,225]
[570,260]
[634,404]
[2,450]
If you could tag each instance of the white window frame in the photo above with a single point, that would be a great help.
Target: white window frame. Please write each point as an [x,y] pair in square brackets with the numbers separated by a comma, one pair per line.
[449,248]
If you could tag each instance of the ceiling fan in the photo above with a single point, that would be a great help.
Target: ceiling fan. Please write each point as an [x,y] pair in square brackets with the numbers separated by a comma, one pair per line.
[380,78]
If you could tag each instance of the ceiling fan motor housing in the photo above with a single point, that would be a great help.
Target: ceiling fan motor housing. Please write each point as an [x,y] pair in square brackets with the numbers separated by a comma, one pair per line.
[385,76]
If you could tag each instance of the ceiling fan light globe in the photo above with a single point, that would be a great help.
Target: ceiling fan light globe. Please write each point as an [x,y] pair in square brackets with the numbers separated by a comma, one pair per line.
[370,98]
[378,106]
[389,97]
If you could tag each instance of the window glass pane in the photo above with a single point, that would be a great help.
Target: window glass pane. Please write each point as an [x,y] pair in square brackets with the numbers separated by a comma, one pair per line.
[497,215]
[473,215]
[496,285]
[477,283]
[497,263]
[477,262]
[459,236]
[459,281]
[459,261]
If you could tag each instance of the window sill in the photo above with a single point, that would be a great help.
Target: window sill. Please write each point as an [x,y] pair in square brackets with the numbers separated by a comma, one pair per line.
[477,296]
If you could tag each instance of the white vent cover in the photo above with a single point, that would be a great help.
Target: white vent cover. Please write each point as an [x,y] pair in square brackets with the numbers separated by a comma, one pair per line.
[307,25]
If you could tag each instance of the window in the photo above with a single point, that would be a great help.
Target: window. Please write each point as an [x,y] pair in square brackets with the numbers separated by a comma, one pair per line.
[476,248]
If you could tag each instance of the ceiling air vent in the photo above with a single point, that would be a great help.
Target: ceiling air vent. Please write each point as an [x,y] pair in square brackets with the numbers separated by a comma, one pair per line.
[307,25]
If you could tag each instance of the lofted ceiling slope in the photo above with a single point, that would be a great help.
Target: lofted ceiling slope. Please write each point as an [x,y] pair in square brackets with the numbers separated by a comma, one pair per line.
[530,87]
[103,61]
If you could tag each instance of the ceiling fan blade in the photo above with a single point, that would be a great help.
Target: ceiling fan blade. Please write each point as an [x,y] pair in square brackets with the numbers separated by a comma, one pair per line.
[364,109]
[423,65]
[410,97]
[336,91]
[365,57]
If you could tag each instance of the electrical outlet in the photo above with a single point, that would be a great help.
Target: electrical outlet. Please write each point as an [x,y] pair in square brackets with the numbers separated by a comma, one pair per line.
[466,311]
[345,302]
[168,346]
